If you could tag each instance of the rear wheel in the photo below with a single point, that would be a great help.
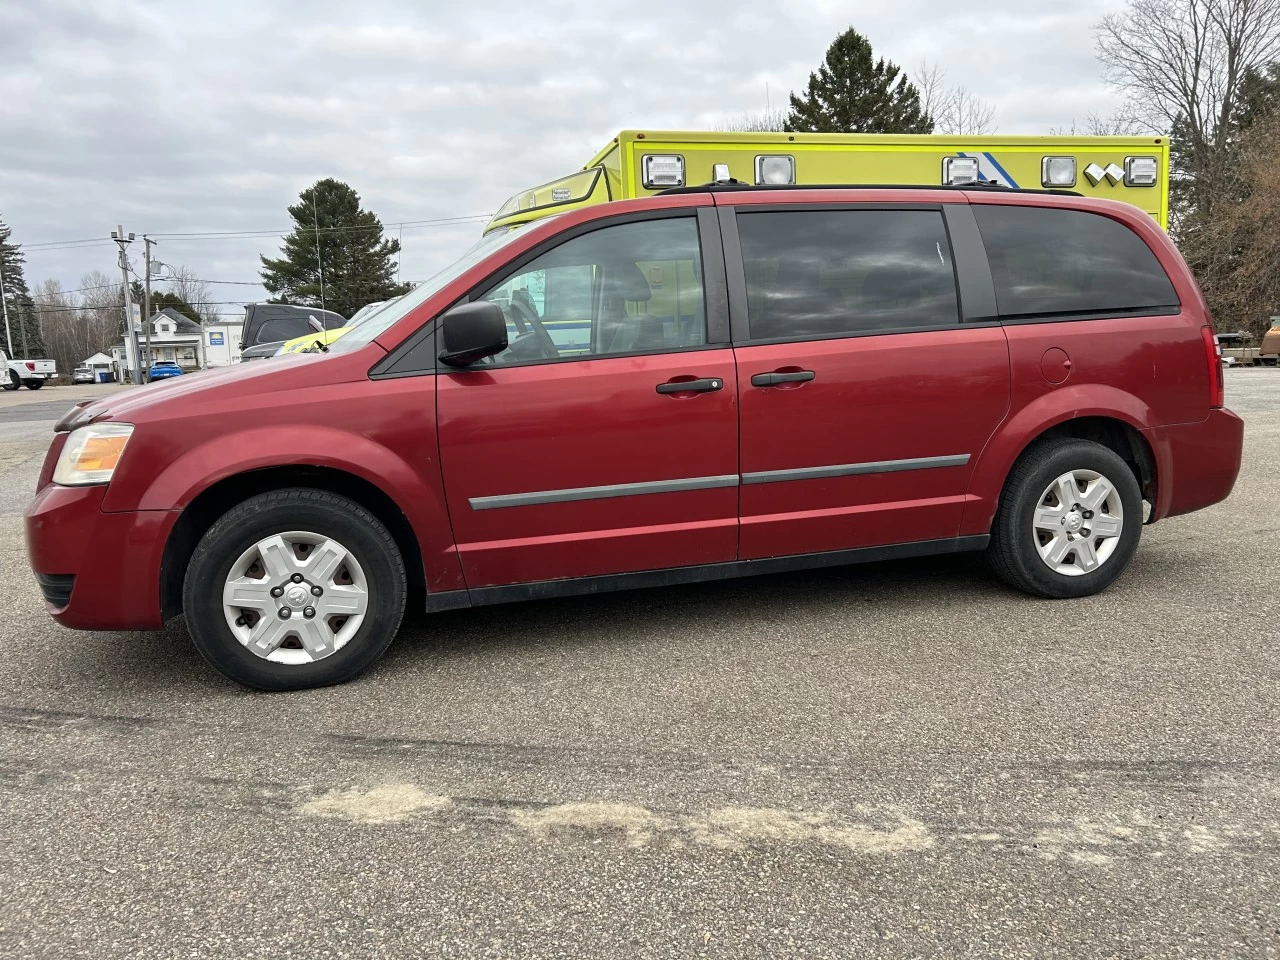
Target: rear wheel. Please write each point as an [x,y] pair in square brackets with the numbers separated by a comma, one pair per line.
[33,384]
[13,383]
[1069,520]
[293,589]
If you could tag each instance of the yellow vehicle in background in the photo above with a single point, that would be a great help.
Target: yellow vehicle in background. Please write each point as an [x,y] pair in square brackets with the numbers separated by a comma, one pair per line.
[322,338]
[641,163]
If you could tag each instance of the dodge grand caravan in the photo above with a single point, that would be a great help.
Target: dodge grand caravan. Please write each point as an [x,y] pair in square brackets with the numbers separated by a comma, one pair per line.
[707,383]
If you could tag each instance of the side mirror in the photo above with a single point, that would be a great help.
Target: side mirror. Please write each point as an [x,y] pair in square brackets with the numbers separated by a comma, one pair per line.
[471,332]
[315,324]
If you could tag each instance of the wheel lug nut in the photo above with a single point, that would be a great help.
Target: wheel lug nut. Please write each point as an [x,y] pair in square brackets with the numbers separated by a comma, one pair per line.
[317,591]
[285,613]
[296,578]
[239,621]
[1088,514]
[308,612]
[277,592]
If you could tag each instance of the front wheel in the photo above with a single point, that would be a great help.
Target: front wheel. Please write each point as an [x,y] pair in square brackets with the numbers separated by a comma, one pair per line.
[293,589]
[33,384]
[13,383]
[1069,520]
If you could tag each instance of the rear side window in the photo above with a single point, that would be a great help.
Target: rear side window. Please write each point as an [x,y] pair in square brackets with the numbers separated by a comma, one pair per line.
[832,273]
[1051,261]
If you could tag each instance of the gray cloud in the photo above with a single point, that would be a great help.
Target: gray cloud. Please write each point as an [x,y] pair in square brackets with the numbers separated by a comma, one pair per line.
[202,116]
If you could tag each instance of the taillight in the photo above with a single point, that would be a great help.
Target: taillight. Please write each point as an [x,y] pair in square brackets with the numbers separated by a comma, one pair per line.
[1217,389]
[31,365]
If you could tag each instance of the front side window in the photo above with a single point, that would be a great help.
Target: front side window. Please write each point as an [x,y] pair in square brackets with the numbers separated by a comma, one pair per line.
[833,273]
[632,288]
[1046,261]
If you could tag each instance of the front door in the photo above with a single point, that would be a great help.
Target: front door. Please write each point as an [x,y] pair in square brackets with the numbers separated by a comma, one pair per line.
[604,440]
[865,400]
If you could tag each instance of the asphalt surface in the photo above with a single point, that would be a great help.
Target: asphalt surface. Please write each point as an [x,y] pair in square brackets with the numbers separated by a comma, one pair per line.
[903,760]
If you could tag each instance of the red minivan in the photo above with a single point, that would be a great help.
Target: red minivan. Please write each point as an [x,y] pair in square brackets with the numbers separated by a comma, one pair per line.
[712,382]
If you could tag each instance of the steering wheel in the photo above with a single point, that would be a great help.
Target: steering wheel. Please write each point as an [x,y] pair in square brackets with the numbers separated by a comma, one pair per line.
[522,313]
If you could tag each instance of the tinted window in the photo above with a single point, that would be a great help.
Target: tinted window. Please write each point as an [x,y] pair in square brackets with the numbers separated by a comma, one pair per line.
[631,288]
[1045,260]
[287,324]
[828,273]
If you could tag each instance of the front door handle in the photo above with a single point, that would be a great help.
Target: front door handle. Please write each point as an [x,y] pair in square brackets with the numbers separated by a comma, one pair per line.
[777,377]
[705,385]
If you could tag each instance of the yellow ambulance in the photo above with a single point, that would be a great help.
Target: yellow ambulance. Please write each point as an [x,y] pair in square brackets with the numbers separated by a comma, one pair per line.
[639,163]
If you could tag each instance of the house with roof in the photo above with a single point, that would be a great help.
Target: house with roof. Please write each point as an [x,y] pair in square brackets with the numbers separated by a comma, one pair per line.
[181,340]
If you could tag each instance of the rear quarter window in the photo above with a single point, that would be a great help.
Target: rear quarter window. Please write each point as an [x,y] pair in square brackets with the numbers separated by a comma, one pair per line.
[1048,261]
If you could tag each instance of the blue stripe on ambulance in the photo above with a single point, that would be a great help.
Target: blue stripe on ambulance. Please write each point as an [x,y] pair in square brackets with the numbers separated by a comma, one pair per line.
[989,169]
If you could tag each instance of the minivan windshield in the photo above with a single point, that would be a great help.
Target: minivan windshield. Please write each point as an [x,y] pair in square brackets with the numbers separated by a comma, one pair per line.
[370,328]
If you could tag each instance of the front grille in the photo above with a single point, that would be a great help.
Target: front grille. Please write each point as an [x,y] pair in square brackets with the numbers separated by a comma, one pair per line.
[56,587]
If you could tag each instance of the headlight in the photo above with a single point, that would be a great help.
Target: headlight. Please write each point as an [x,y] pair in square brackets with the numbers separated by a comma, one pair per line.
[91,453]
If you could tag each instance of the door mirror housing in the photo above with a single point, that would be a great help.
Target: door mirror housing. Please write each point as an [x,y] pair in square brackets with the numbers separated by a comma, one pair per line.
[471,332]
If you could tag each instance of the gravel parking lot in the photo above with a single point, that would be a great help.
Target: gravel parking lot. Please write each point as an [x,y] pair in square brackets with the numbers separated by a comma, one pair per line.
[903,760]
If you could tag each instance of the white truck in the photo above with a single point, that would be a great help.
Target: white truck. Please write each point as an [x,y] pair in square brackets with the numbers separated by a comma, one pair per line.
[25,373]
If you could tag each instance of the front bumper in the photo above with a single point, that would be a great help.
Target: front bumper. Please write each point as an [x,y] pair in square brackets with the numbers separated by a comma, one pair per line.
[113,558]
[1197,463]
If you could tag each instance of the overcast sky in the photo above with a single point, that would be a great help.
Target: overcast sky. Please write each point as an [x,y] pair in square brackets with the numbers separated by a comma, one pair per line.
[186,116]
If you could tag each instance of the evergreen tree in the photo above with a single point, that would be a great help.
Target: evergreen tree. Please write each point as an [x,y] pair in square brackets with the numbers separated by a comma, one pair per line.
[335,254]
[24,324]
[852,93]
[161,299]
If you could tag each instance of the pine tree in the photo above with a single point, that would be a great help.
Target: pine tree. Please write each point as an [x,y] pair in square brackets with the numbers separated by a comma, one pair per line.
[851,93]
[24,324]
[336,256]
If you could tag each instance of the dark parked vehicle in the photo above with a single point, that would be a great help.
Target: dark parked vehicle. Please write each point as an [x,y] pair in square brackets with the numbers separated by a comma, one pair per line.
[268,325]
[752,380]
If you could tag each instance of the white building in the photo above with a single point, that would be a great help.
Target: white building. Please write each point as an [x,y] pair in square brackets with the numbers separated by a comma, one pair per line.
[178,339]
[99,363]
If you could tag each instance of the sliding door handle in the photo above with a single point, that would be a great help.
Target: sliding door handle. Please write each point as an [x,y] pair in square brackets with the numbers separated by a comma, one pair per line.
[705,385]
[790,376]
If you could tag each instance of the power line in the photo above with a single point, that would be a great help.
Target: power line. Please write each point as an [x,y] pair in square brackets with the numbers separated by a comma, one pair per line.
[238,234]
[249,233]
[63,244]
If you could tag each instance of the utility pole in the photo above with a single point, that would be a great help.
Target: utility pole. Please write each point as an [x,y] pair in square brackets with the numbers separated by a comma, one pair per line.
[146,299]
[4,305]
[131,332]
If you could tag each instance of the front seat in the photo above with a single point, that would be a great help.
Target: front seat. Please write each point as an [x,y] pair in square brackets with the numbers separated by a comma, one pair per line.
[620,332]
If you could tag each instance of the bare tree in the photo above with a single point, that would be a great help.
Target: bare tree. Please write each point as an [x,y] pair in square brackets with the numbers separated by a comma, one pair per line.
[1182,65]
[1238,250]
[766,121]
[935,98]
[1095,125]
[78,323]
[954,110]
[191,289]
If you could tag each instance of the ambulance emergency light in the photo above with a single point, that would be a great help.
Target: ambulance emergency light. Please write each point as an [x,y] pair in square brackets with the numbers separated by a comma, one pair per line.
[1140,171]
[775,170]
[1058,172]
[661,171]
[957,171]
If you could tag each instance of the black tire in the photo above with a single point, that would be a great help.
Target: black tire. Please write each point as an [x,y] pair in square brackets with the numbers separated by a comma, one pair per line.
[277,512]
[33,384]
[13,383]
[1012,551]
